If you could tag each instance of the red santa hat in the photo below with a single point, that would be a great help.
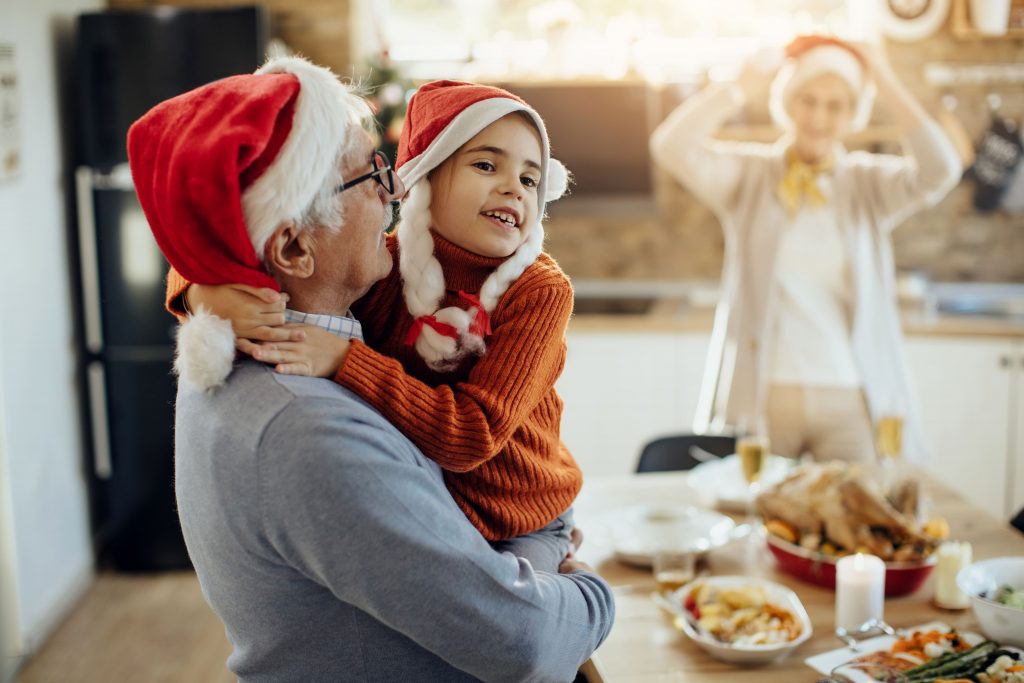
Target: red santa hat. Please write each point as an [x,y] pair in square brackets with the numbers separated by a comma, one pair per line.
[219,168]
[814,55]
[442,117]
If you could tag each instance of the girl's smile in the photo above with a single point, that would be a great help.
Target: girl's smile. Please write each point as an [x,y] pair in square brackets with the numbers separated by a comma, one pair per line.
[484,198]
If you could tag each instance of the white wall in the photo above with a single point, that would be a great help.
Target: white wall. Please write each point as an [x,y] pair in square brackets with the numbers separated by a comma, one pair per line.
[42,489]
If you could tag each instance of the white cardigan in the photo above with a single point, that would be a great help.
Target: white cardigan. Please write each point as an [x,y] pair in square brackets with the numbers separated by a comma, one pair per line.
[873,194]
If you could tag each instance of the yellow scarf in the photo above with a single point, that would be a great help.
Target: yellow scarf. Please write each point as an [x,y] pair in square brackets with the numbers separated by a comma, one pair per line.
[800,182]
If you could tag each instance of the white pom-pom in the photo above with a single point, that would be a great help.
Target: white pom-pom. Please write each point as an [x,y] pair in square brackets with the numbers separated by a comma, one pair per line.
[206,351]
[473,343]
[557,181]
[441,352]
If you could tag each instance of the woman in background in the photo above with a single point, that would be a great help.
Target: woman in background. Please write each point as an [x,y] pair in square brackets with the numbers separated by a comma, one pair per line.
[807,334]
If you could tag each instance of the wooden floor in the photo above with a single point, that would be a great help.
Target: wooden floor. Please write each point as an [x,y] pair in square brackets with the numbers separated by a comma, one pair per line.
[150,628]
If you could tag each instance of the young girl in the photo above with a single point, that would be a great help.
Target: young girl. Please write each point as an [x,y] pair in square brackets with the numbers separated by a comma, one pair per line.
[465,339]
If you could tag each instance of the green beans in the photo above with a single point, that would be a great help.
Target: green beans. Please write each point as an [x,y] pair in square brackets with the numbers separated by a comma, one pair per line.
[957,665]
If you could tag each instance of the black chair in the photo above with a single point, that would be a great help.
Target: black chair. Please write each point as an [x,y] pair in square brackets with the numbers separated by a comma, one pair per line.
[683,452]
[1018,521]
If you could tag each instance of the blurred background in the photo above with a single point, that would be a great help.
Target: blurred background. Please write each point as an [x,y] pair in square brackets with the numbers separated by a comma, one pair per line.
[86,397]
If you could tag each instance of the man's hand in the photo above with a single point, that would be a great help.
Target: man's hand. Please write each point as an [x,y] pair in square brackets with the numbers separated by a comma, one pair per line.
[319,354]
[575,541]
[570,563]
[256,314]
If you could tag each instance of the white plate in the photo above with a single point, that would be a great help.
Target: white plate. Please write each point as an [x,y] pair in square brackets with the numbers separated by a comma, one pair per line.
[909,20]
[741,654]
[637,532]
[723,479]
[827,661]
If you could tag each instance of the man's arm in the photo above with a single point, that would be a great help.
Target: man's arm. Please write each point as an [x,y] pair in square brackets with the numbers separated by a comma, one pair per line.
[353,505]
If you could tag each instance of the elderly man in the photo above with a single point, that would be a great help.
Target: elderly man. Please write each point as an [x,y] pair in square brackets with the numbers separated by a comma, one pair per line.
[327,544]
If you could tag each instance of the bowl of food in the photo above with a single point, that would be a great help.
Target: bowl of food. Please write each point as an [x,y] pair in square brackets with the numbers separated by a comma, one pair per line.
[741,619]
[996,590]
[819,568]
[823,511]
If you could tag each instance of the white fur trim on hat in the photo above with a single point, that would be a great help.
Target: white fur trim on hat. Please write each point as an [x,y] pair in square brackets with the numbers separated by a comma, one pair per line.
[467,124]
[325,112]
[823,59]
[205,351]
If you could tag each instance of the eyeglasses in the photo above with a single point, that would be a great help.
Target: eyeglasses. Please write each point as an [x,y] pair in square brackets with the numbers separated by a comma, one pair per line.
[382,173]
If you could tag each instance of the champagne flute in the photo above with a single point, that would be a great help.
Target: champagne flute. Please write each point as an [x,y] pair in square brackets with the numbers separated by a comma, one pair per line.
[889,437]
[889,445]
[752,450]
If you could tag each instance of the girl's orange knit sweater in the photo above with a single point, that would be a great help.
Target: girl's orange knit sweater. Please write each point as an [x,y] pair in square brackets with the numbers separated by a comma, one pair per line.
[493,423]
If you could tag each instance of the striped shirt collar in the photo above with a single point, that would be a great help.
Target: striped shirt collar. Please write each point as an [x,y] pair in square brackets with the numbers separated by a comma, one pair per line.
[341,325]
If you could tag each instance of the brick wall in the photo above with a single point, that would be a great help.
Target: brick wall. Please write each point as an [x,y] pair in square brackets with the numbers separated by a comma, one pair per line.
[948,242]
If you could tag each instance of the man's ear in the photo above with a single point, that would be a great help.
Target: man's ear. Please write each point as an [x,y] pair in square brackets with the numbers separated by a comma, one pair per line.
[289,252]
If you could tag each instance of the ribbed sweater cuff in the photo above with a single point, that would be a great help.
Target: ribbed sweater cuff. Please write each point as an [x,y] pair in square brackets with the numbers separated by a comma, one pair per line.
[176,286]
[362,367]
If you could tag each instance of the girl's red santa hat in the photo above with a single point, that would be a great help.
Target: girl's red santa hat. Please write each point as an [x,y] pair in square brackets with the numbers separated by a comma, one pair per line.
[442,117]
[219,168]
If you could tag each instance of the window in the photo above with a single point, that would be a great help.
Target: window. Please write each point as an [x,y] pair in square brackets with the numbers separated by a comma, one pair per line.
[556,39]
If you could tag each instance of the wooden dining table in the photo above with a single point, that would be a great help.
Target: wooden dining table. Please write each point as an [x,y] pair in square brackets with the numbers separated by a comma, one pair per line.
[645,646]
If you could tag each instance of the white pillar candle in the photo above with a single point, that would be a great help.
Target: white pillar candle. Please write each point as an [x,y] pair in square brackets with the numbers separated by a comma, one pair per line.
[860,590]
[953,556]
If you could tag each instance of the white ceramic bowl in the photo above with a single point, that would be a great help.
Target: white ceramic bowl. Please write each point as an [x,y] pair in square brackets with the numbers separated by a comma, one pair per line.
[743,654]
[999,622]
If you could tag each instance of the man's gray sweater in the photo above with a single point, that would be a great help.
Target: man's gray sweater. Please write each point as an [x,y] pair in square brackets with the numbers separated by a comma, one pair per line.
[331,550]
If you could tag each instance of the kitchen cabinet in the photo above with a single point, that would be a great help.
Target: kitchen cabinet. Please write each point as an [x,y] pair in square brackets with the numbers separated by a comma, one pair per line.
[969,395]
[622,389]
[1016,461]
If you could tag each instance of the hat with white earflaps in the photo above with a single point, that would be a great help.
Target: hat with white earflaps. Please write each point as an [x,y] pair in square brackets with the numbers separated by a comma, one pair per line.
[442,117]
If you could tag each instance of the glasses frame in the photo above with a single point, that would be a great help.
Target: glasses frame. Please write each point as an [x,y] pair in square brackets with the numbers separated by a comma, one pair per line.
[381,168]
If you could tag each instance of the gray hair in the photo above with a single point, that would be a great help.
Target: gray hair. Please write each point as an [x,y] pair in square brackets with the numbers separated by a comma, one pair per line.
[326,211]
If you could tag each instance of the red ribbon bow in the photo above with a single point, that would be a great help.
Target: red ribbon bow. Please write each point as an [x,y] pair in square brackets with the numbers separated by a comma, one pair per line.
[482,322]
[439,327]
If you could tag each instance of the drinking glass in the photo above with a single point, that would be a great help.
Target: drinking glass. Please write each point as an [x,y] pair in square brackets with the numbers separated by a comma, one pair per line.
[889,437]
[889,445]
[673,568]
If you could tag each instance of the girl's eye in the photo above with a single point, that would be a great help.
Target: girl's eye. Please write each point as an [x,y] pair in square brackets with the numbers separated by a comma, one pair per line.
[484,165]
[528,181]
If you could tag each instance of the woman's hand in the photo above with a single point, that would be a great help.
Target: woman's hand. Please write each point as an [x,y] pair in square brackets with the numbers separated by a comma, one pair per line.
[877,66]
[256,313]
[319,354]
[906,110]
[755,80]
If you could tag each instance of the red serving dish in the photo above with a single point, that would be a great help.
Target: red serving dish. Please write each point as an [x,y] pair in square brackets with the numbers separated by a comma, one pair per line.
[901,578]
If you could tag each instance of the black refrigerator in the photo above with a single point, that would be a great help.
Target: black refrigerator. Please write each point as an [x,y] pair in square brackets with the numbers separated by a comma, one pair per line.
[124,63]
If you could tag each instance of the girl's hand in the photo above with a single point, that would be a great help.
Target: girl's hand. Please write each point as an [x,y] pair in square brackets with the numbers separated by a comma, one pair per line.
[256,314]
[320,354]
